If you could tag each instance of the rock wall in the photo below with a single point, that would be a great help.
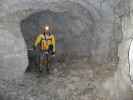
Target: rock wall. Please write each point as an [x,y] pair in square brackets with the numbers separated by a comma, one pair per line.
[98,29]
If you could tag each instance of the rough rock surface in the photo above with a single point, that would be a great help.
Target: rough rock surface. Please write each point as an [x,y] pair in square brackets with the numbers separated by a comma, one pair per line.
[93,39]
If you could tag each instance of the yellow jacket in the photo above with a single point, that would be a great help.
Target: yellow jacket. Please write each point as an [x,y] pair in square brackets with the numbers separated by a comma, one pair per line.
[44,41]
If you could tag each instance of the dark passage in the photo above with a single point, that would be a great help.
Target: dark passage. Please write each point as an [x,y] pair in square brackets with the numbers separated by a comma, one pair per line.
[31,27]
[72,39]
[76,37]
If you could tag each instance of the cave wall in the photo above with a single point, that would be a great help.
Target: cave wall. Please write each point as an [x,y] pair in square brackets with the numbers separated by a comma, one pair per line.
[121,81]
[108,29]
[129,31]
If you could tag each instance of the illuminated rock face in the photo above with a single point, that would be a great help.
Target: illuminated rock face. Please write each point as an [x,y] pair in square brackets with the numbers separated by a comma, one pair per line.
[95,29]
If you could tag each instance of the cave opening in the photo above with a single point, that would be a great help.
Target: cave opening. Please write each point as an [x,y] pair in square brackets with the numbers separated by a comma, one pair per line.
[79,35]
[76,35]
[71,32]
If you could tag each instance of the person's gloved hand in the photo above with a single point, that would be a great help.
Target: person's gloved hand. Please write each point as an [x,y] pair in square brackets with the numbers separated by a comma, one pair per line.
[53,54]
[34,47]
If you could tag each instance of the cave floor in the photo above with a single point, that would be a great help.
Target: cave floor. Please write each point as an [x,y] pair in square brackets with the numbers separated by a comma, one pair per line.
[76,81]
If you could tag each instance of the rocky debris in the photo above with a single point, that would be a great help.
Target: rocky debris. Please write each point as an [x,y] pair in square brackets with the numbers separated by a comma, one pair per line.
[77,82]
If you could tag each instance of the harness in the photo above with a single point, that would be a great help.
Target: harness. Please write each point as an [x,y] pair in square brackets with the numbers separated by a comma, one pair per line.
[45,39]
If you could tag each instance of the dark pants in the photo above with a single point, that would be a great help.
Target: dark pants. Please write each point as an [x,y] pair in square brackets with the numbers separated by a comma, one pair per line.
[50,49]
[43,60]
[44,56]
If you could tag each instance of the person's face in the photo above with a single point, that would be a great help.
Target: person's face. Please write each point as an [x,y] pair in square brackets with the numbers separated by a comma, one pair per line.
[46,32]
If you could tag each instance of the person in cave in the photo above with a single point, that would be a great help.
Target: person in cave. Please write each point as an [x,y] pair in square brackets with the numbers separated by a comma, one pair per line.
[45,41]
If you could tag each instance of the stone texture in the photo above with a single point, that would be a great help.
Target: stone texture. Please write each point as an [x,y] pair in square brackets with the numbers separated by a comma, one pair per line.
[97,30]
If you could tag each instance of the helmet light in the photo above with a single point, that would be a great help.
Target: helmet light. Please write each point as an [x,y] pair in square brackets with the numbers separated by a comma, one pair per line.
[46,28]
